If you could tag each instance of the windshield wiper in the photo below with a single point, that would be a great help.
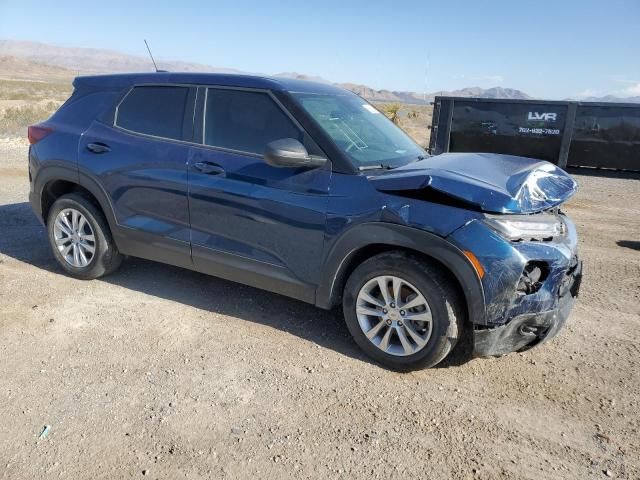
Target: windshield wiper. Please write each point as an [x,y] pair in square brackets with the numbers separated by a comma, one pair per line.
[362,168]
[381,166]
[417,159]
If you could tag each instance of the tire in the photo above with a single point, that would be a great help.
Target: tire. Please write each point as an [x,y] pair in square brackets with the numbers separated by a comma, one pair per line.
[443,302]
[105,257]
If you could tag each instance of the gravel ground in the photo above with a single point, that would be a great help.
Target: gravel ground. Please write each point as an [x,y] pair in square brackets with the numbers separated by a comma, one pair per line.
[160,372]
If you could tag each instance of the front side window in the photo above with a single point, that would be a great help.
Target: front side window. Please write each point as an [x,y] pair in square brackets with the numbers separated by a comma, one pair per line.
[245,121]
[357,128]
[154,110]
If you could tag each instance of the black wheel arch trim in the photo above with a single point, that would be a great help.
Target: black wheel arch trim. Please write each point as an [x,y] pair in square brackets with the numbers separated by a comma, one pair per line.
[45,175]
[52,173]
[367,234]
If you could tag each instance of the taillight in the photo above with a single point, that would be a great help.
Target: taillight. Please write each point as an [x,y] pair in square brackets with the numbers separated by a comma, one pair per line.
[37,133]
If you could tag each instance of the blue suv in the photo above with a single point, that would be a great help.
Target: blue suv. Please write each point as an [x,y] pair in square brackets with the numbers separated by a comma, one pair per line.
[306,190]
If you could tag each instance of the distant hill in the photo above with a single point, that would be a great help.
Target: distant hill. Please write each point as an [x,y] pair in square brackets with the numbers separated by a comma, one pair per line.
[83,61]
[51,61]
[495,92]
[610,98]
[371,94]
[302,76]
[21,69]
[422,98]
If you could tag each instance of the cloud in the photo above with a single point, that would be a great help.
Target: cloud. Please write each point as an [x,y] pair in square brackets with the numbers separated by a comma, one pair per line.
[621,79]
[588,92]
[632,90]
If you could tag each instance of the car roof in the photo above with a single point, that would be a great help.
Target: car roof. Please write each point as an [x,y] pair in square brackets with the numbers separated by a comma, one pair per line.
[123,80]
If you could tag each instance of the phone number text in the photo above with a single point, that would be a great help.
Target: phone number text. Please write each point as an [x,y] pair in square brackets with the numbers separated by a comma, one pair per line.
[539,131]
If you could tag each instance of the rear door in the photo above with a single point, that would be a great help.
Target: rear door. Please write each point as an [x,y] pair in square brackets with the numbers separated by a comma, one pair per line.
[251,222]
[141,162]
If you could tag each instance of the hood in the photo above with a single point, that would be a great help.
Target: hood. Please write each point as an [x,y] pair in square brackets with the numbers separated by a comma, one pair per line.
[492,182]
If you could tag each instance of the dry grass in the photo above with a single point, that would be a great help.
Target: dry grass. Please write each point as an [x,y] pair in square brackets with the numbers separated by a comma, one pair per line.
[34,91]
[15,120]
[23,103]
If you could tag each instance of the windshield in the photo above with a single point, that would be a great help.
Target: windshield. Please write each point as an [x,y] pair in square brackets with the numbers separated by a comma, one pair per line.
[364,134]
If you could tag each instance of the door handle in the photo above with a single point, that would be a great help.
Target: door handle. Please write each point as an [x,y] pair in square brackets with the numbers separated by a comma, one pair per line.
[98,147]
[209,168]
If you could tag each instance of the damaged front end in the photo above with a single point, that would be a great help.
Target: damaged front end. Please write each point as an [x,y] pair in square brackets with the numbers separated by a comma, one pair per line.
[529,283]
[525,247]
[488,182]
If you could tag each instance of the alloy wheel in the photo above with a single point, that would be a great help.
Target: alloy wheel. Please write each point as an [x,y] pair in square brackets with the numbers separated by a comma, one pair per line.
[74,237]
[394,315]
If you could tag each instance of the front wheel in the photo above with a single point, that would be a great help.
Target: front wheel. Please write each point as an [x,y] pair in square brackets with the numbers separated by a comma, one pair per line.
[402,311]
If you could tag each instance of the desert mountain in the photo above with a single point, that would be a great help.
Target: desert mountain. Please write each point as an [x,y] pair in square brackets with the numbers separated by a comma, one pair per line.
[35,60]
[495,92]
[85,61]
[301,76]
[71,61]
[610,98]
[15,68]
[420,98]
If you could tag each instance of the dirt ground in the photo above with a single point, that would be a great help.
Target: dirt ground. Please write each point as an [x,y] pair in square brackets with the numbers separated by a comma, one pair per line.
[159,372]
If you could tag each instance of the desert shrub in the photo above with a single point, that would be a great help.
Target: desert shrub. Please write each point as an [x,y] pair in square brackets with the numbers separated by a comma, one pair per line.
[15,120]
[392,110]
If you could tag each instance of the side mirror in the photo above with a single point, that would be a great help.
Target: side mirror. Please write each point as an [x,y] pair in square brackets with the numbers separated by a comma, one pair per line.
[289,152]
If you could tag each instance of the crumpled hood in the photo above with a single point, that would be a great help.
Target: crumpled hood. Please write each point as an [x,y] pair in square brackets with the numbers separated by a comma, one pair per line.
[493,182]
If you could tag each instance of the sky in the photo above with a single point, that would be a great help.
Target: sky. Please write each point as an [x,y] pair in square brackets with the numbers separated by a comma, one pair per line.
[549,49]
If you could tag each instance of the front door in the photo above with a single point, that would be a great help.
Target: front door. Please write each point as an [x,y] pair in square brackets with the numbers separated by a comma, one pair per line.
[252,222]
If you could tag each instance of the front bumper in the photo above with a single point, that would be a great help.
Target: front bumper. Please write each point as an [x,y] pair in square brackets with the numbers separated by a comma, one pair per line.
[530,329]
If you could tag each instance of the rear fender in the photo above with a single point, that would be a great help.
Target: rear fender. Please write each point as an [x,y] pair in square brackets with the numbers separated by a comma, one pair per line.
[43,176]
[53,172]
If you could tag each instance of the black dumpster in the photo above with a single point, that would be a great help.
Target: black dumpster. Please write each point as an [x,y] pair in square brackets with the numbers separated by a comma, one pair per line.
[587,134]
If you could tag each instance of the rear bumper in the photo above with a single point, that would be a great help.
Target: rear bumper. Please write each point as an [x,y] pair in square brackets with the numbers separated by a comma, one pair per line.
[36,205]
[34,197]
[527,330]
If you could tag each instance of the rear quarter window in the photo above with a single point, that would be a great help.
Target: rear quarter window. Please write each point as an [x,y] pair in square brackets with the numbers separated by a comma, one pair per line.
[82,108]
[154,110]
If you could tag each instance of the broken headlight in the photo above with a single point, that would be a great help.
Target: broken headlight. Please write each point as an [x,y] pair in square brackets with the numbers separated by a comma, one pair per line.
[541,226]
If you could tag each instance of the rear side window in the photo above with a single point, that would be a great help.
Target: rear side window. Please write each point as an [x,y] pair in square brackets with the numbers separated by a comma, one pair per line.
[157,111]
[83,107]
[245,121]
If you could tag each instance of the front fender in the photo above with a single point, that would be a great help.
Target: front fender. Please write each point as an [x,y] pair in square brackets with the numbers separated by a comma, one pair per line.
[364,235]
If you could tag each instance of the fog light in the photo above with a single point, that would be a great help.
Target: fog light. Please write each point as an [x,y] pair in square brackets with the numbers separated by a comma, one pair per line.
[533,276]
[526,330]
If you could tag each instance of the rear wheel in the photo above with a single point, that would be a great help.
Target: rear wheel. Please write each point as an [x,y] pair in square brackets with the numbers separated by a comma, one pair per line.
[402,311]
[80,238]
